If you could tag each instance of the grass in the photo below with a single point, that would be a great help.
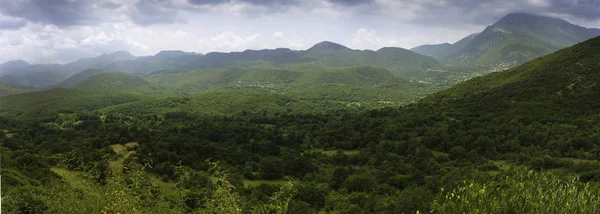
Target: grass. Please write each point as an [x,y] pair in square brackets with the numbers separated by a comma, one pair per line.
[76,180]
[167,189]
[579,161]
[117,165]
[503,165]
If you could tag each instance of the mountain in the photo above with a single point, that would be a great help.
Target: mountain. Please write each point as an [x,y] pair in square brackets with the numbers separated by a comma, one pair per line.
[162,61]
[497,48]
[9,66]
[171,53]
[402,63]
[563,83]
[514,39]
[97,62]
[44,76]
[440,51]
[436,51]
[326,46]
[556,31]
[78,78]
[112,80]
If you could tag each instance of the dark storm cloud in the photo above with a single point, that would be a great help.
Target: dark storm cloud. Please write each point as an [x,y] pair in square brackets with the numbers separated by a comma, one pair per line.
[352,2]
[584,9]
[208,2]
[451,13]
[12,24]
[280,3]
[150,12]
[478,12]
[58,12]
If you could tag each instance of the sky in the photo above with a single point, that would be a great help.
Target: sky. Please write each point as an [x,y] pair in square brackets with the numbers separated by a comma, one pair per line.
[60,31]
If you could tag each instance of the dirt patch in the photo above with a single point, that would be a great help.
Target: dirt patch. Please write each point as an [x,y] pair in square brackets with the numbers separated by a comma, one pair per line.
[123,150]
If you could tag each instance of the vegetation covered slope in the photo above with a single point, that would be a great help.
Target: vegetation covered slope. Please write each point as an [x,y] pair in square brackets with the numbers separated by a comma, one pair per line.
[567,77]
[514,39]
[78,78]
[43,76]
[441,51]
[6,89]
[444,154]
[497,48]
[112,80]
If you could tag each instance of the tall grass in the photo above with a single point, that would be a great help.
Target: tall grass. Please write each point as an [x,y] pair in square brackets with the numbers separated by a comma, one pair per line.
[520,192]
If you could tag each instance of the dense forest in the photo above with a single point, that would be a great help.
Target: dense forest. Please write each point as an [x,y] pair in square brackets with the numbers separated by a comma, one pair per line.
[523,140]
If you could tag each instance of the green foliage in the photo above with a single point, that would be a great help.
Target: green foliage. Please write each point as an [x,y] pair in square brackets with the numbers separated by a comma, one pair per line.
[520,192]
[65,145]
[6,89]
[26,200]
[112,80]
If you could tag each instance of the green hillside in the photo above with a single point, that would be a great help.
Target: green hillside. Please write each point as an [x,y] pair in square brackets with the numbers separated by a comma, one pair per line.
[269,78]
[77,78]
[6,89]
[112,80]
[524,140]
[496,48]
[357,76]
[567,77]
[513,40]
[196,80]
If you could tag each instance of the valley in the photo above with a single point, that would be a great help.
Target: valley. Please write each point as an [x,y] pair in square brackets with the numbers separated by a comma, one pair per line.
[502,121]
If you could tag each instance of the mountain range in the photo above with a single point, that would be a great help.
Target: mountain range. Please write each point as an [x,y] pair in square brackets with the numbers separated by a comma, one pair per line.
[513,40]
[400,62]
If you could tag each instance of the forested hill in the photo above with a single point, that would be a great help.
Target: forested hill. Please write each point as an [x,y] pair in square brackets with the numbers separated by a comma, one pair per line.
[509,142]
[567,79]
[513,40]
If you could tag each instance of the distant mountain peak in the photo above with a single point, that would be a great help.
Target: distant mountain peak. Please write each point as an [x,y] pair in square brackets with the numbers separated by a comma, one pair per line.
[327,45]
[172,53]
[18,62]
[120,53]
[526,20]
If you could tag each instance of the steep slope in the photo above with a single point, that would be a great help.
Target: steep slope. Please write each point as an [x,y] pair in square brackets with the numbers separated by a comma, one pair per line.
[112,80]
[96,62]
[556,31]
[514,39]
[78,78]
[518,38]
[171,54]
[8,67]
[402,63]
[563,83]
[440,51]
[436,51]
[38,76]
[497,48]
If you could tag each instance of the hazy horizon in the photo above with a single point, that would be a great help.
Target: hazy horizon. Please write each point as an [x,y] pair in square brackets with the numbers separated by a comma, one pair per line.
[63,31]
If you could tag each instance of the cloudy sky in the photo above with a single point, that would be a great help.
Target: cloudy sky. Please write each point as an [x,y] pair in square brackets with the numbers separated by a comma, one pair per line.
[58,31]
